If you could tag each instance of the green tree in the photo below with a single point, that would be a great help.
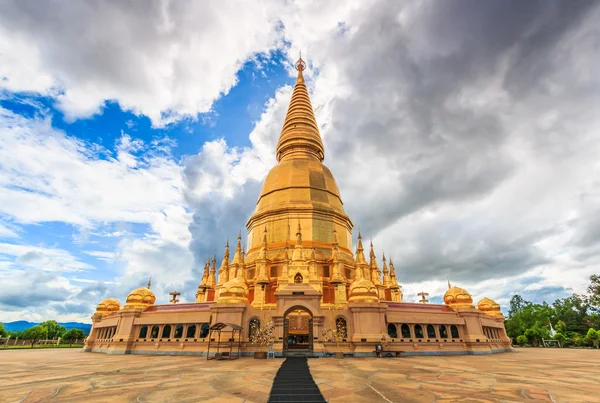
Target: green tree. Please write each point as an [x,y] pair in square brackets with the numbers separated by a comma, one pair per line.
[54,329]
[35,334]
[517,303]
[574,311]
[594,292]
[72,335]
[523,316]
[562,339]
[561,327]
[522,340]
[592,337]
[537,333]
[3,332]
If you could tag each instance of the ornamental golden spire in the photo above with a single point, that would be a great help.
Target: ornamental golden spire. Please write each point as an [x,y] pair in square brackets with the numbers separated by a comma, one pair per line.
[224,269]
[336,277]
[238,251]
[300,133]
[298,253]
[387,280]
[211,282]
[360,255]
[375,272]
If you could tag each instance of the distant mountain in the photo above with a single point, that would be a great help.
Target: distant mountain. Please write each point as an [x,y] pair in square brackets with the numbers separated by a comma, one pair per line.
[23,324]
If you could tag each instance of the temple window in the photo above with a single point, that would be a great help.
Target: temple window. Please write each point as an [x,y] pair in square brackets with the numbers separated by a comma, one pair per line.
[204,330]
[191,332]
[154,332]
[253,326]
[392,331]
[143,332]
[454,332]
[443,331]
[166,333]
[405,330]
[342,327]
[178,332]
[274,271]
[325,271]
[328,294]
[418,331]
[431,332]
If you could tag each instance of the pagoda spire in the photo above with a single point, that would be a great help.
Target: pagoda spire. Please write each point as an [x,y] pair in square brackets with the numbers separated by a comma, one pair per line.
[360,255]
[375,272]
[205,274]
[300,133]
[395,288]
[387,280]
[336,276]
[224,269]
[298,253]
[211,282]
[238,250]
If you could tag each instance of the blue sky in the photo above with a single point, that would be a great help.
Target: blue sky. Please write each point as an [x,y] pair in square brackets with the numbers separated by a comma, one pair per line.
[466,150]
[232,117]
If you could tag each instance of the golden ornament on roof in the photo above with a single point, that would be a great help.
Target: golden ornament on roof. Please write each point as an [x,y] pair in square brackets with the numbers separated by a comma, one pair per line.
[108,305]
[140,298]
[457,297]
[490,307]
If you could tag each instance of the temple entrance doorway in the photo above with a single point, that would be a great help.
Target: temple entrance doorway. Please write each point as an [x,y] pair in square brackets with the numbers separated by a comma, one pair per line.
[298,331]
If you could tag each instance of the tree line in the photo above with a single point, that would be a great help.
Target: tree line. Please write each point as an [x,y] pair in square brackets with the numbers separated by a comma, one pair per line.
[574,321]
[48,330]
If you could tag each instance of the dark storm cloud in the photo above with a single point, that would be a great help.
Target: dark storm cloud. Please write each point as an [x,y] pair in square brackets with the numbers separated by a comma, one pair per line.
[401,113]
[416,137]
[442,105]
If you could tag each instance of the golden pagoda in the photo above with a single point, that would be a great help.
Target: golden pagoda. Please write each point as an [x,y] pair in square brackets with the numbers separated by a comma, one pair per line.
[300,275]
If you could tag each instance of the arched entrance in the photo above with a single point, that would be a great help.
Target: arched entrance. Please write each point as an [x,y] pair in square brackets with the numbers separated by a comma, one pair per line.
[298,331]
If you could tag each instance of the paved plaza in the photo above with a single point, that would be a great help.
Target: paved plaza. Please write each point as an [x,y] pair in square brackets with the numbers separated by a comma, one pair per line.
[544,375]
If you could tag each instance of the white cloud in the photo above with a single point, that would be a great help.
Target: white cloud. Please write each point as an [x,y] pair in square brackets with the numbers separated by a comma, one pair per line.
[461,135]
[48,176]
[163,59]
[41,258]
[449,150]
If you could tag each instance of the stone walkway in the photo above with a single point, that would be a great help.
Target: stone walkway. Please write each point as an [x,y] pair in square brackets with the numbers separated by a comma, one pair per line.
[63,375]
[69,375]
[540,375]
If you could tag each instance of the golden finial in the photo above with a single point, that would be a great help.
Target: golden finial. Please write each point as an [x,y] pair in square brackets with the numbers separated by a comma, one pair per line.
[149,282]
[423,294]
[449,286]
[300,64]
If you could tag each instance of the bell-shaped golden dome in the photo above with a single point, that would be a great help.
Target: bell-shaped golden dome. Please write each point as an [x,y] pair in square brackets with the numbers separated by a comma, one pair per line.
[235,291]
[457,297]
[363,291]
[140,298]
[108,305]
[489,307]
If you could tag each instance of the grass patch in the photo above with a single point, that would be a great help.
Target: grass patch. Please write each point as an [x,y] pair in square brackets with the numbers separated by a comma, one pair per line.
[28,347]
